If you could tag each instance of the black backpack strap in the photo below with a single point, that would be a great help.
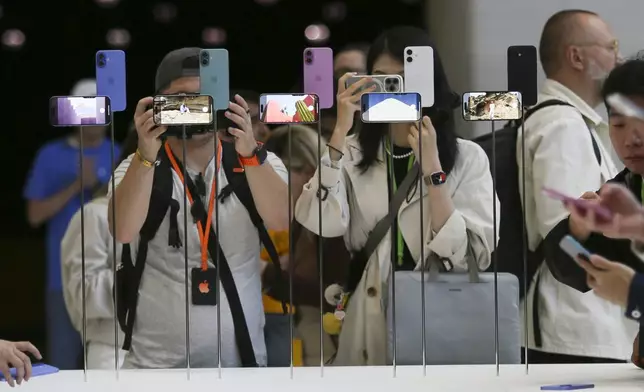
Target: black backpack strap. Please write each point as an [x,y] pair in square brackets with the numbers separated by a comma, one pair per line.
[238,184]
[130,274]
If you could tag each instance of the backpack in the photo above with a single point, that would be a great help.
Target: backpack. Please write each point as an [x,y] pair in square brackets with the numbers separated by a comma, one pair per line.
[129,274]
[501,147]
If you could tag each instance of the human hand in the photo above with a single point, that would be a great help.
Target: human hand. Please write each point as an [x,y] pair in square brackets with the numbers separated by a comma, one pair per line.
[149,133]
[580,222]
[626,210]
[348,101]
[12,354]
[238,113]
[609,280]
[430,161]
[635,357]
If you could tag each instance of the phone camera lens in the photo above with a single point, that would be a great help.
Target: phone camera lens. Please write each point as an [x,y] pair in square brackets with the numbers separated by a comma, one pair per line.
[409,59]
[409,52]
[519,54]
[205,58]
[308,53]
[308,60]
[395,81]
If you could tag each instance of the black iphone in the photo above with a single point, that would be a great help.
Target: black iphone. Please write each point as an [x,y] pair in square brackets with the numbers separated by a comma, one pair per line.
[522,72]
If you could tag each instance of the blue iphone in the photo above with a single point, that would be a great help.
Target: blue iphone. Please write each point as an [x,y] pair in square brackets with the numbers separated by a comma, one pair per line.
[110,77]
[37,369]
[573,248]
[567,387]
[214,76]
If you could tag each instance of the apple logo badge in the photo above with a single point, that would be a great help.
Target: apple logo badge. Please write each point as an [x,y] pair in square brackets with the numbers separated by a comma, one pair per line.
[318,78]
[204,287]
[214,79]
[110,80]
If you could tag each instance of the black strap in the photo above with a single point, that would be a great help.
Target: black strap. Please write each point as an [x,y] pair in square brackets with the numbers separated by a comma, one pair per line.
[376,235]
[242,335]
[238,184]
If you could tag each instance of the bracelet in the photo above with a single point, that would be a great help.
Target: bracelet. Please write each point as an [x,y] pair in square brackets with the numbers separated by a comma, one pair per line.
[336,150]
[144,161]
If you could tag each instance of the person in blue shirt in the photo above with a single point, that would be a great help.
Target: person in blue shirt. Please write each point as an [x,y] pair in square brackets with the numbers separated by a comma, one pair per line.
[53,195]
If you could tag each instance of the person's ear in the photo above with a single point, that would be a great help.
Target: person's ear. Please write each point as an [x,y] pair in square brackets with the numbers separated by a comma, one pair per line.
[575,57]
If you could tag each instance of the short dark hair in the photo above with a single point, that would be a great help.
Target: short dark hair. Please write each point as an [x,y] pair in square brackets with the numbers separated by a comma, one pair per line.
[555,32]
[626,79]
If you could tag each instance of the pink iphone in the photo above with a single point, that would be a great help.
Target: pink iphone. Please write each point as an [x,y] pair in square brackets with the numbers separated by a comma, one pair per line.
[600,212]
[318,75]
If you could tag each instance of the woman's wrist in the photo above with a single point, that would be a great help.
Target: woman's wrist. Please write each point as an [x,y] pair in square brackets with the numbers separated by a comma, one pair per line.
[431,166]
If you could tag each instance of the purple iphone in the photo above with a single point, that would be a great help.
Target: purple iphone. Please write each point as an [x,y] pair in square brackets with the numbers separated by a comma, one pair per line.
[318,75]
[110,77]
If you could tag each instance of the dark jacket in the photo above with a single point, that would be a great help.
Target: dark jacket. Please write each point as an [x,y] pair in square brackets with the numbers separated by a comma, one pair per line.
[566,270]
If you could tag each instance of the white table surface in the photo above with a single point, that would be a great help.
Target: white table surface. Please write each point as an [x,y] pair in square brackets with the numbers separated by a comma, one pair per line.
[614,378]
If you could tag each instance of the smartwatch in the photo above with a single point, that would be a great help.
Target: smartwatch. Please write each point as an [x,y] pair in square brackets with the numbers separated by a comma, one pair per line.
[257,159]
[436,178]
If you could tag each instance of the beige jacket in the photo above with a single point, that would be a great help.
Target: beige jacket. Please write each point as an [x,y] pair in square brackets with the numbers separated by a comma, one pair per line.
[356,201]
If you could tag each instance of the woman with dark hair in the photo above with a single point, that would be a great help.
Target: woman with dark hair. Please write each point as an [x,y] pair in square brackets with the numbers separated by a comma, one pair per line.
[359,174]
[98,273]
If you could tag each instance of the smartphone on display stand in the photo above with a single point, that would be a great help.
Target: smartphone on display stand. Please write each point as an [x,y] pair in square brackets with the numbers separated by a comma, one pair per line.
[522,72]
[419,73]
[600,212]
[110,77]
[80,111]
[318,75]
[625,106]
[573,248]
[37,369]
[380,83]
[390,107]
[492,106]
[182,110]
[214,76]
[289,108]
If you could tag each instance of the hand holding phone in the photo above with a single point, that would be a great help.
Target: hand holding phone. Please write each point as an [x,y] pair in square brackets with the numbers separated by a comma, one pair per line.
[581,205]
[574,249]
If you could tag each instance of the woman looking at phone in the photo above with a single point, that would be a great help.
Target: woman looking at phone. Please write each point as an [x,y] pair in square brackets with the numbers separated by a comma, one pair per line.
[359,173]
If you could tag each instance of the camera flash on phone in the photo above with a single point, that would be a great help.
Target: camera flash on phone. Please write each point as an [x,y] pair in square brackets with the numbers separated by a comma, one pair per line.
[204,109]
[101,110]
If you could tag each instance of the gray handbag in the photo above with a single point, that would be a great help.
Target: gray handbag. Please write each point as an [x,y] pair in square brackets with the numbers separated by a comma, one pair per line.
[459,318]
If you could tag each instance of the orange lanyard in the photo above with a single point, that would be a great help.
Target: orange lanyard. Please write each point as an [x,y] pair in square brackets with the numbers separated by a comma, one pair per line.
[203,234]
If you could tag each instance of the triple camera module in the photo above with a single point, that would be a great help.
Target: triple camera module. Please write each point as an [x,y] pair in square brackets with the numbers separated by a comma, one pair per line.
[409,58]
[205,58]
[308,57]
[392,85]
[101,60]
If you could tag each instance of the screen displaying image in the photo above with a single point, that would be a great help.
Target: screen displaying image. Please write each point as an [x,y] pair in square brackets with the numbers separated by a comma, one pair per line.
[183,110]
[492,106]
[288,108]
[390,107]
[79,111]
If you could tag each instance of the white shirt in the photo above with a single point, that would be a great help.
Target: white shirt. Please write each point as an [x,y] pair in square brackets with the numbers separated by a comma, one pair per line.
[559,155]
[159,335]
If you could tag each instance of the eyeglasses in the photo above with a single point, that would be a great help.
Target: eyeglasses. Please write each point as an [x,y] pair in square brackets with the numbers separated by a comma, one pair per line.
[612,46]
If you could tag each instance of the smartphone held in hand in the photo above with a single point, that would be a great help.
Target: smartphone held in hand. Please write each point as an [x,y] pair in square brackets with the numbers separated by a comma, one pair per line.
[390,107]
[183,110]
[600,212]
[573,248]
[289,108]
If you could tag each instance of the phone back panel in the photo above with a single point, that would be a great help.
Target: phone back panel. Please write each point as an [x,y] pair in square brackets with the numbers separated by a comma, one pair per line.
[111,78]
[318,75]
[215,76]
[522,72]
[382,83]
[419,73]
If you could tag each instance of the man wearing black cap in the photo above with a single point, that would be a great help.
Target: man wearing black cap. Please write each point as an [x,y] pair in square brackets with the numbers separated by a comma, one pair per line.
[156,340]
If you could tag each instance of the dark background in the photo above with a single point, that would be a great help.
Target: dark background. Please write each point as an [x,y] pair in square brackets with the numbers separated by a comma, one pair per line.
[265,43]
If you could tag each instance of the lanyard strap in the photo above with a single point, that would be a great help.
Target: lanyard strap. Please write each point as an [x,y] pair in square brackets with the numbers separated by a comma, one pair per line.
[642,191]
[400,244]
[204,234]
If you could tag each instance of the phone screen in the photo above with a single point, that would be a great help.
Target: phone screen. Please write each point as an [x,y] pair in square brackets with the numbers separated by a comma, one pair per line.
[183,110]
[79,111]
[492,106]
[289,108]
[390,107]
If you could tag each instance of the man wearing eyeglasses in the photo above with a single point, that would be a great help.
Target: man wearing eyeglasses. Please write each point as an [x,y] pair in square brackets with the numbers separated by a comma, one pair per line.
[565,151]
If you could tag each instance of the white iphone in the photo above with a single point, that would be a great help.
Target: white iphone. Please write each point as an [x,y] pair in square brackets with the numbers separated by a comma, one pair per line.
[419,73]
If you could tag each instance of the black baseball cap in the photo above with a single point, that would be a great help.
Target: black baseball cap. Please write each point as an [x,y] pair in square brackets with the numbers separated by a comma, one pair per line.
[177,64]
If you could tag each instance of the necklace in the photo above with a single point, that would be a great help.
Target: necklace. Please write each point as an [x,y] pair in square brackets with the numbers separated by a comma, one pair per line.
[402,156]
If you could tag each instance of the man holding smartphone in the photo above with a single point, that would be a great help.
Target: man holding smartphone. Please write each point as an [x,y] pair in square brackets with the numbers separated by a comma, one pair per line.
[564,151]
[156,340]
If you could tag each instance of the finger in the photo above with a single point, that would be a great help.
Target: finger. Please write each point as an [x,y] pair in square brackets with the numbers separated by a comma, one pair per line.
[427,122]
[224,136]
[238,109]
[7,374]
[142,106]
[357,85]
[27,365]
[600,263]
[148,126]
[342,82]
[236,118]
[589,196]
[236,132]
[28,347]
[158,131]
[591,281]
[586,265]
[355,98]
[242,102]
[19,365]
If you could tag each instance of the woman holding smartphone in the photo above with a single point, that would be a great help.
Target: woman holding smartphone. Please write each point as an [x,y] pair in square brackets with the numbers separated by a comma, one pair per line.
[359,176]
